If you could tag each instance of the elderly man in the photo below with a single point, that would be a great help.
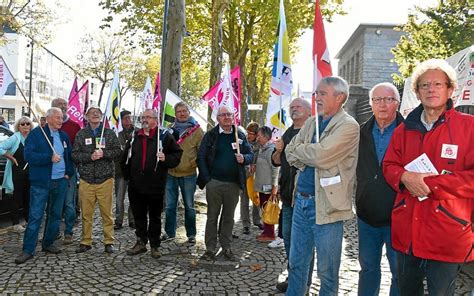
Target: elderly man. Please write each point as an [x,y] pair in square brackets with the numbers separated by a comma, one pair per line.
[48,173]
[324,187]
[148,156]
[95,150]
[374,197]
[300,110]
[183,177]
[432,214]
[70,128]
[222,172]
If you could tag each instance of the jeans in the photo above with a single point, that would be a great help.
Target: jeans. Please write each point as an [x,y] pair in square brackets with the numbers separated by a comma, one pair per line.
[120,188]
[371,241]
[40,197]
[187,185]
[440,276]
[305,236]
[70,205]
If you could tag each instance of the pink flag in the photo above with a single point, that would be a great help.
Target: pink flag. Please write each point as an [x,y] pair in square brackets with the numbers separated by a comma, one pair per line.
[157,96]
[73,90]
[77,103]
[216,95]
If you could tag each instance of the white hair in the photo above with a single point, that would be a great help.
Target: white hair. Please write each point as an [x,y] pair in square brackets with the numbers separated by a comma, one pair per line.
[434,64]
[386,85]
[51,111]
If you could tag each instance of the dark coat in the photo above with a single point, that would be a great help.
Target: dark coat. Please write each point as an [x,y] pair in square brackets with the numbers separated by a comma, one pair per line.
[374,197]
[207,152]
[147,180]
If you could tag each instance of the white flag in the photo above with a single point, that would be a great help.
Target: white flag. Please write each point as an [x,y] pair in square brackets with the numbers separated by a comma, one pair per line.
[6,78]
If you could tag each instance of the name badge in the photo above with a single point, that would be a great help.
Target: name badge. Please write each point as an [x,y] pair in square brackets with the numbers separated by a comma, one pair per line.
[234,146]
[64,144]
[99,143]
[88,141]
[449,151]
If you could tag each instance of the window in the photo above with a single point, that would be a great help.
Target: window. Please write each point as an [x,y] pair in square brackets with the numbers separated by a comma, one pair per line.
[8,113]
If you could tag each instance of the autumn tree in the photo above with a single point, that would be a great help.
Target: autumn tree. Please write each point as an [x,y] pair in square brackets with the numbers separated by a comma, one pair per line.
[436,32]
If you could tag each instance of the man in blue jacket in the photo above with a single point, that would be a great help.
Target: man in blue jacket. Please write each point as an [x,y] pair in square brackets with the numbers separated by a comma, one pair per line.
[49,173]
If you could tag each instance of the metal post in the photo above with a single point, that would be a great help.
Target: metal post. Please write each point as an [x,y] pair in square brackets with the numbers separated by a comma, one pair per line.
[31,77]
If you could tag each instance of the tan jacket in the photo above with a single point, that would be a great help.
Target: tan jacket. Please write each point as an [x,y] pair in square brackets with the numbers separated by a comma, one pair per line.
[334,156]
[190,146]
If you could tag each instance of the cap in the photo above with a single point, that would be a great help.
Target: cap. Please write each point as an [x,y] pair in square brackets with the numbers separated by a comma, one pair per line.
[93,107]
[124,113]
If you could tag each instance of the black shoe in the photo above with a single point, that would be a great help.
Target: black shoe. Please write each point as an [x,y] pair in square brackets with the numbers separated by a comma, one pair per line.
[208,256]
[118,226]
[52,249]
[83,248]
[131,225]
[23,258]
[283,286]
[229,255]
[234,235]
[192,240]
[165,237]
[109,248]
[246,230]
[138,248]
[259,225]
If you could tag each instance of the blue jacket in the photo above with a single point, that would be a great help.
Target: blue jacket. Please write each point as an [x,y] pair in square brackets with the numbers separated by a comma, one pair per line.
[38,154]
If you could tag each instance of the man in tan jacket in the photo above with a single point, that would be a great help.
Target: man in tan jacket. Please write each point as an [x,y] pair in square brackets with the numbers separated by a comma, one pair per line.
[188,135]
[325,153]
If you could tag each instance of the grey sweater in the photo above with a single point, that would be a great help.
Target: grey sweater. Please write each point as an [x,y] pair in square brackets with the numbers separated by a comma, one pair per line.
[266,174]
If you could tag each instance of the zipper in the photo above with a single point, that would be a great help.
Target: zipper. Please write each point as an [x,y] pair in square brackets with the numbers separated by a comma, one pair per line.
[401,203]
[459,220]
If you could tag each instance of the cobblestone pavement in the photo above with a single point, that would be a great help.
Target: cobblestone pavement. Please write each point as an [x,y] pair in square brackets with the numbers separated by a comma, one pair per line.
[178,271]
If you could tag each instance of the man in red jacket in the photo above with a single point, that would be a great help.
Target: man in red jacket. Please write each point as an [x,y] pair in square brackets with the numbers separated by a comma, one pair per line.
[432,213]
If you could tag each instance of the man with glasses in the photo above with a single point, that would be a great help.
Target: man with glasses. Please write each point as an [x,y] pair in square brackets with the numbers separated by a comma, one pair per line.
[222,172]
[95,150]
[433,212]
[324,187]
[374,197]
[147,158]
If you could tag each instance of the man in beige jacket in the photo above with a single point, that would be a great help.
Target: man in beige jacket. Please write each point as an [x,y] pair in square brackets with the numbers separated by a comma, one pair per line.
[325,152]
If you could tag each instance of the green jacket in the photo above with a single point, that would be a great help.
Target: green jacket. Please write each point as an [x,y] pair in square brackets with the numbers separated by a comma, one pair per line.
[190,146]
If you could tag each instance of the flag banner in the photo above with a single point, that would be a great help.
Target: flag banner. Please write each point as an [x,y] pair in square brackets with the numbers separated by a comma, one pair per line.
[463,95]
[77,104]
[74,90]
[226,92]
[157,95]
[321,59]
[6,78]
[146,101]
[281,84]
[171,99]
[112,109]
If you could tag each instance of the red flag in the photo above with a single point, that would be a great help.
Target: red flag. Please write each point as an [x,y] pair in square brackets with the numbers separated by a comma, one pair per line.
[76,104]
[157,96]
[73,90]
[321,60]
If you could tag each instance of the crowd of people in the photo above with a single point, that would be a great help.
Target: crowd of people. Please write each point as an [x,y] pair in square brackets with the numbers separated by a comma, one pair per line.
[317,168]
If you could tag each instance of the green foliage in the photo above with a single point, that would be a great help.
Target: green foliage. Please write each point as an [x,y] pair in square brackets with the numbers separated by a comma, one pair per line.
[437,32]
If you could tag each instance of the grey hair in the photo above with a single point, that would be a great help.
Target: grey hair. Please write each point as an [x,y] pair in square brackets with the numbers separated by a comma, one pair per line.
[221,107]
[305,103]
[386,85]
[52,111]
[180,104]
[434,64]
[339,84]
[55,101]
[266,131]
[22,120]
[153,111]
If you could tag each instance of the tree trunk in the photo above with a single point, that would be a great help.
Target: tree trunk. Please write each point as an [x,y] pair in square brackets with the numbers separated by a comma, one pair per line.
[171,74]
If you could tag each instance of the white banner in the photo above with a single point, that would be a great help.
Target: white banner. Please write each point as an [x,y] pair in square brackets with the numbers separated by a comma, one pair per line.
[6,77]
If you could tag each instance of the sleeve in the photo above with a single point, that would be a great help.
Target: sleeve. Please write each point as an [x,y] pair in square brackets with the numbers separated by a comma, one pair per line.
[204,174]
[393,166]
[275,170]
[246,150]
[172,152]
[35,152]
[7,144]
[114,149]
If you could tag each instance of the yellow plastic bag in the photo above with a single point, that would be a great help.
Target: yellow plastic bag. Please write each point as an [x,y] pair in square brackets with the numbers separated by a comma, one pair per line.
[271,211]
[253,196]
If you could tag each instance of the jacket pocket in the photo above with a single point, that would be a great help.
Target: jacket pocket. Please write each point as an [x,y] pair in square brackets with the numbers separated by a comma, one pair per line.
[454,218]
[399,204]
[337,199]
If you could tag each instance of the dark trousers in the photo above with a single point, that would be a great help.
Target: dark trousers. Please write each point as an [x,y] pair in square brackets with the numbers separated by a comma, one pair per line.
[21,198]
[147,210]
[440,276]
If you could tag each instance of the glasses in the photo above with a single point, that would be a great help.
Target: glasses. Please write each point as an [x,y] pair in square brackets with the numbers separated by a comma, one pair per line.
[225,114]
[94,112]
[435,84]
[25,123]
[147,117]
[386,100]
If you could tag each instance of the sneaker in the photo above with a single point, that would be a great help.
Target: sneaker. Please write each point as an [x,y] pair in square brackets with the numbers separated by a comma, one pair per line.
[67,239]
[265,238]
[118,226]
[52,249]
[192,240]
[155,253]
[165,237]
[23,258]
[277,243]
[229,255]
[138,248]
[283,286]
[208,256]
[109,248]
[246,230]
[83,248]
[18,228]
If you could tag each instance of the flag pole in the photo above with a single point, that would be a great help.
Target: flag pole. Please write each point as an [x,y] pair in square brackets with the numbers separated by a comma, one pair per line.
[315,87]
[29,108]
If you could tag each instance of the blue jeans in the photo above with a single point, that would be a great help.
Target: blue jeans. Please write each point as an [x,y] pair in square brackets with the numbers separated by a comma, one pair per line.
[371,241]
[305,236]
[70,205]
[53,197]
[187,185]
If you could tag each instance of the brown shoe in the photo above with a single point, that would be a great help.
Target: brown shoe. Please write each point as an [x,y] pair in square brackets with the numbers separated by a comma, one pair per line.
[155,253]
[67,239]
[138,248]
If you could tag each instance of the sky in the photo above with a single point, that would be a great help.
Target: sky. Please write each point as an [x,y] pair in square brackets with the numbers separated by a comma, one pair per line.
[79,17]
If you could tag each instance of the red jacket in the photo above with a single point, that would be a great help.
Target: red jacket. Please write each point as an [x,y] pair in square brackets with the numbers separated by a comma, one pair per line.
[440,227]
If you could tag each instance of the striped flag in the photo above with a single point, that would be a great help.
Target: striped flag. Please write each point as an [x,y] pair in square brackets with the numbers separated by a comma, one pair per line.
[6,78]
[112,109]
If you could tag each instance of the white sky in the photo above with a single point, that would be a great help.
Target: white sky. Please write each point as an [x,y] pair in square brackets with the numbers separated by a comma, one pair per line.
[79,17]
